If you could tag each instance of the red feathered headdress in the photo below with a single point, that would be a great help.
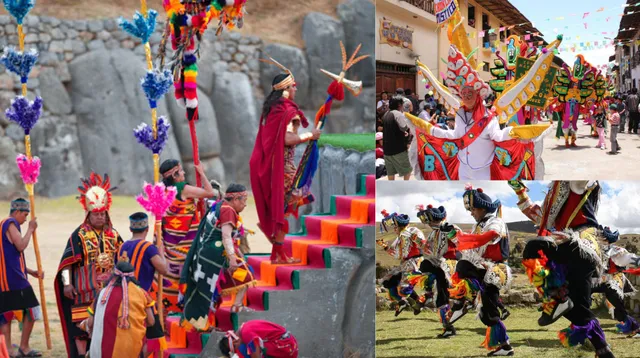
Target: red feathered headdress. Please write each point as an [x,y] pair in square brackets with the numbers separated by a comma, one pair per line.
[95,193]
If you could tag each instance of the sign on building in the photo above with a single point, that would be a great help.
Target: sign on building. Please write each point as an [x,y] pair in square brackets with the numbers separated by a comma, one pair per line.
[394,35]
[444,10]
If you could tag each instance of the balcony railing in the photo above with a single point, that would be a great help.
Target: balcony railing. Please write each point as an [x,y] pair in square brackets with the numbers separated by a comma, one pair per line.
[426,5]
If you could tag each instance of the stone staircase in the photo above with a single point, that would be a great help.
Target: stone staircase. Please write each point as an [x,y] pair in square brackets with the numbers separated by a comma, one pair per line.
[337,254]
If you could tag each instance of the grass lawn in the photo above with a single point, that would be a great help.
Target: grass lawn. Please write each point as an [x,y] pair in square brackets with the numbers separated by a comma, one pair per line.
[415,336]
[360,142]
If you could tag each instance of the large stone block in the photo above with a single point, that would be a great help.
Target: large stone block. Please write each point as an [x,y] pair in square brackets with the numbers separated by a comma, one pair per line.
[322,35]
[339,301]
[358,20]
[55,96]
[109,104]
[206,128]
[237,119]
[294,59]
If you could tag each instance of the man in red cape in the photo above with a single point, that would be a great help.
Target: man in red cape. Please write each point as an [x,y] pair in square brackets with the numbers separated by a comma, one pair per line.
[271,163]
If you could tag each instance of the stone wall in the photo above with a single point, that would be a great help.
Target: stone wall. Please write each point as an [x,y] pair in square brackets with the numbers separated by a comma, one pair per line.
[333,312]
[88,76]
[338,172]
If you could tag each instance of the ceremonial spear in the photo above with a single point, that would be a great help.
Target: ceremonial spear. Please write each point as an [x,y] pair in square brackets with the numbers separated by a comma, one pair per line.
[26,114]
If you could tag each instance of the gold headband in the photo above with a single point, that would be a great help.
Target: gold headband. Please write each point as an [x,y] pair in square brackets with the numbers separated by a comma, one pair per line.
[172,171]
[284,84]
[288,81]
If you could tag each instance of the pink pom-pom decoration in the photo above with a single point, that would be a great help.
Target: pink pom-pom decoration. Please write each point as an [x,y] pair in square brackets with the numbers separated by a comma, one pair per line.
[156,198]
[29,168]
[468,186]
[420,207]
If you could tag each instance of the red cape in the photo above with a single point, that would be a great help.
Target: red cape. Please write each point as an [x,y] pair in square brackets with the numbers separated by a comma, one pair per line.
[267,165]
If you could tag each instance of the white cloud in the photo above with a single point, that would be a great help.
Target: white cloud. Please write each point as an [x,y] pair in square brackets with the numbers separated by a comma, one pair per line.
[620,207]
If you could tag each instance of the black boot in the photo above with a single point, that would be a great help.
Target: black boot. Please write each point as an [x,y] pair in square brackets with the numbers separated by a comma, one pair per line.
[401,307]
[604,353]
[449,331]
[504,314]
[504,350]
[559,310]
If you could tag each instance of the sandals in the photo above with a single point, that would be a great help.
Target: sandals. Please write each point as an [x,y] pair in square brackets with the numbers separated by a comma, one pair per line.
[31,353]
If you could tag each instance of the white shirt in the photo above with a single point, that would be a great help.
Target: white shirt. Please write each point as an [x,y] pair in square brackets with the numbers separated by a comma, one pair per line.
[382,102]
[480,153]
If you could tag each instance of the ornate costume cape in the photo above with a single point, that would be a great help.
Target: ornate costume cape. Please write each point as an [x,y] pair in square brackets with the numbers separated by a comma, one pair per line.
[80,250]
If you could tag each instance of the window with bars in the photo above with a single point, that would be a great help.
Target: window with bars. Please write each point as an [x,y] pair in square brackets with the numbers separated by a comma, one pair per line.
[394,67]
[472,16]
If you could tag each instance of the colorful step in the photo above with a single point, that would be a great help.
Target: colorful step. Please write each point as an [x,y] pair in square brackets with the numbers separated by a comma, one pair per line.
[341,227]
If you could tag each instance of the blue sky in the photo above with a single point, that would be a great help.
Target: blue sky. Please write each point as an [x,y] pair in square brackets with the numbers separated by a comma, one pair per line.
[619,204]
[572,26]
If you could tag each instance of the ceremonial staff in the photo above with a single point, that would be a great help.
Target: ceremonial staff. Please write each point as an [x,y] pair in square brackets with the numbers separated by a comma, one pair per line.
[155,84]
[26,114]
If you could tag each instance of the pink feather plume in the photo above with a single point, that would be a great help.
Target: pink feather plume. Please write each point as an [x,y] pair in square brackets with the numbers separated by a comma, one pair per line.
[420,207]
[156,198]
[468,186]
[29,168]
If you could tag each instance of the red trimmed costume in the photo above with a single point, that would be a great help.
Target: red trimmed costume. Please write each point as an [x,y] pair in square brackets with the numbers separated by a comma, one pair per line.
[87,261]
[482,271]
[565,260]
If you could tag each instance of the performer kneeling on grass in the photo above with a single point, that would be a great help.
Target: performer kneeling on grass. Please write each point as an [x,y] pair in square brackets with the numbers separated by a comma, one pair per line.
[256,339]
[17,299]
[119,317]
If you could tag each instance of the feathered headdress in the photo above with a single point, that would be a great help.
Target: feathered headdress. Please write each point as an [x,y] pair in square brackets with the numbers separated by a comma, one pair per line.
[288,81]
[460,74]
[476,198]
[95,193]
[432,214]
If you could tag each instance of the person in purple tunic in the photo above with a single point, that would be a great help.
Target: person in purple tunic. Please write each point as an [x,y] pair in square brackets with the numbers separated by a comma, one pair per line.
[146,259]
[17,299]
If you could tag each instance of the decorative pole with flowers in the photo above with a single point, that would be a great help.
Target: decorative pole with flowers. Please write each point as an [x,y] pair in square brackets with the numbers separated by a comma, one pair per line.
[155,84]
[26,113]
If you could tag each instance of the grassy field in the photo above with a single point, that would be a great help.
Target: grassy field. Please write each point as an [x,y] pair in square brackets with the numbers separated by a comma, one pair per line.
[412,336]
[415,336]
[358,142]
[57,218]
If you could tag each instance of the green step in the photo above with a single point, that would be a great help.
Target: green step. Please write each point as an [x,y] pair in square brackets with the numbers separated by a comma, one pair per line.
[204,338]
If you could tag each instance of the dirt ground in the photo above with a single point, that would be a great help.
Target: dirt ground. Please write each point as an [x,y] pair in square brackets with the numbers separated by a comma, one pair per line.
[271,20]
[57,218]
